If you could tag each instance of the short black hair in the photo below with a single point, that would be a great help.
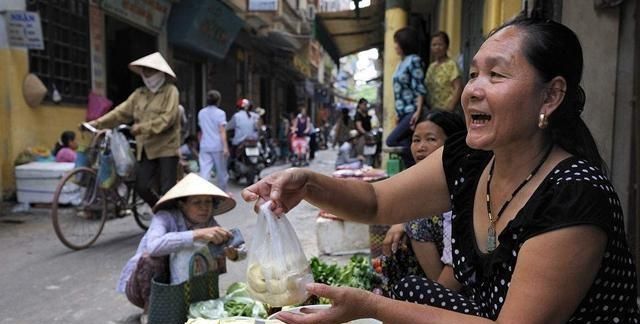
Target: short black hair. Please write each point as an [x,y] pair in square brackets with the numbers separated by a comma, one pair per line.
[443,35]
[450,123]
[407,40]
[213,97]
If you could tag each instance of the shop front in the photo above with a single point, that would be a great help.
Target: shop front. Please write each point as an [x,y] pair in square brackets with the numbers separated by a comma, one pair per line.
[201,34]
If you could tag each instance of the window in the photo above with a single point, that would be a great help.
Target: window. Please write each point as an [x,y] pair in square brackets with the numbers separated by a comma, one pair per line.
[65,61]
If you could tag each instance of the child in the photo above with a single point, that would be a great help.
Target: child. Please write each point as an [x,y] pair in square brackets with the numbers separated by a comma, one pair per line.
[65,148]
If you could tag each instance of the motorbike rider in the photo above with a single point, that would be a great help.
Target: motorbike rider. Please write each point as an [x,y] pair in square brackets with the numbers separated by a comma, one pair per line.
[301,129]
[244,123]
[153,110]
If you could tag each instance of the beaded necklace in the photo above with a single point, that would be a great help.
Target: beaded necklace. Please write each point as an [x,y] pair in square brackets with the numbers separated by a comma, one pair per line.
[491,231]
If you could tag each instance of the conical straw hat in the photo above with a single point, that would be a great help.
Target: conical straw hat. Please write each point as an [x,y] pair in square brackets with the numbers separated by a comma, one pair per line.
[154,61]
[194,185]
[33,90]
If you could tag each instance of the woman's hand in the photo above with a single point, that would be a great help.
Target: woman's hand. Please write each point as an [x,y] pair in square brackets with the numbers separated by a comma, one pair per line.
[341,311]
[393,239]
[215,235]
[285,190]
[414,119]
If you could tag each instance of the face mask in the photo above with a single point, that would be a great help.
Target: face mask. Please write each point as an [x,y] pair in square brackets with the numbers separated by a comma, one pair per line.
[154,82]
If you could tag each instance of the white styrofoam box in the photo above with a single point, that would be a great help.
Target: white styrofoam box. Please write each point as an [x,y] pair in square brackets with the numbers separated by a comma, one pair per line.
[336,236]
[36,182]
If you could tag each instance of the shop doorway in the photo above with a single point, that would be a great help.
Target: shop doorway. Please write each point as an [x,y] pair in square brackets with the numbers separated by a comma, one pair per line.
[190,80]
[123,44]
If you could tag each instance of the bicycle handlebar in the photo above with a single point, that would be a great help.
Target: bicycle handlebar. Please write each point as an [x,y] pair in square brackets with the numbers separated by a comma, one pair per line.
[89,127]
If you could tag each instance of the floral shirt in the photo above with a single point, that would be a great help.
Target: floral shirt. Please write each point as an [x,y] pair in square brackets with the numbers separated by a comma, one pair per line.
[408,84]
[438,81]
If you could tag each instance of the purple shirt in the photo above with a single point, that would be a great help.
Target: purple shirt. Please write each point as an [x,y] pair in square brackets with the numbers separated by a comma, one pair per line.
[167,233]
[66,154]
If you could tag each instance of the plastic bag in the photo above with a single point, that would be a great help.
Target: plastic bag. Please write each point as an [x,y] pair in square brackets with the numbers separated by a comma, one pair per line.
[106,173]
[180,262]
[278,270]
[235,303]
[123,158]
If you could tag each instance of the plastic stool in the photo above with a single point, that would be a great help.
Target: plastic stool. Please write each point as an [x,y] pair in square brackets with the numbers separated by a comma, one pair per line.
[395,163]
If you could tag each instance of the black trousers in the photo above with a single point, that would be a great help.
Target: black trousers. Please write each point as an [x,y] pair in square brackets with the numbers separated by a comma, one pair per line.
[160,173]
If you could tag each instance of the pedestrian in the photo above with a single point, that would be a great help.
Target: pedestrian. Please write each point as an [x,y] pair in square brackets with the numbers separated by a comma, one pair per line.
[343,127]
[65,149]
[443,80]
[362,123]
[408,90]
[153,110]
[214,150]
[538,235]
[284,128]
[301,129]
[183,219]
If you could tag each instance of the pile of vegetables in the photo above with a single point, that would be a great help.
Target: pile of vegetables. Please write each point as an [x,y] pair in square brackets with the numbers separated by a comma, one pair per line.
[357,273]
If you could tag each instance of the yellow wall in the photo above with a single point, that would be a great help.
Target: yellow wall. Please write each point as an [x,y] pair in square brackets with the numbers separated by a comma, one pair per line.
[22,126]
[496,12]
[449,22]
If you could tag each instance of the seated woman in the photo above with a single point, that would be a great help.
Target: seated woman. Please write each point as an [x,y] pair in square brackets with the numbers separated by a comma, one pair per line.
[183,217]
[65,148]
[428,253]
[347,154]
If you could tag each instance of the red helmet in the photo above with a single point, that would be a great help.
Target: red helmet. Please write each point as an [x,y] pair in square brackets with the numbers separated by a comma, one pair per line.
[243,103]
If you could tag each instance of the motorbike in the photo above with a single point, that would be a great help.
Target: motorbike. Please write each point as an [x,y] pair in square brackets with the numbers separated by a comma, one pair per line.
[373,147]
[267,146]
[247,162]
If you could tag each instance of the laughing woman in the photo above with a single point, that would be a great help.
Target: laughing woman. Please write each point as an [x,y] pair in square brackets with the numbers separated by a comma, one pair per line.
[538,235]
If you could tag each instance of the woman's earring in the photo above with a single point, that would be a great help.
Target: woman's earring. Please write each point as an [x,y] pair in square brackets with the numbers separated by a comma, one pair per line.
[542,121]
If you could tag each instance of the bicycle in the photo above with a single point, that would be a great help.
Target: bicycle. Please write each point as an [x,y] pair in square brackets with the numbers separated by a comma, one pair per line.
[80,203]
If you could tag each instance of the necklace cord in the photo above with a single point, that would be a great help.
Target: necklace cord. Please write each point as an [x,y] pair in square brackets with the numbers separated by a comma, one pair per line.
[515,192]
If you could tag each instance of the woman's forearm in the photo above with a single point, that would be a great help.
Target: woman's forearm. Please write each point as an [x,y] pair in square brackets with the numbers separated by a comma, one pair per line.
[393,311]
[419,104]
[349,199]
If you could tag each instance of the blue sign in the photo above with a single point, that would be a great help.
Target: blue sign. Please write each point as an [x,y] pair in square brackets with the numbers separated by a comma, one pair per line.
[208,26]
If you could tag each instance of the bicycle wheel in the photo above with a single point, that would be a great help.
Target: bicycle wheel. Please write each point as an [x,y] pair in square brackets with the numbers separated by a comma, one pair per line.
[79,209]
[141,210]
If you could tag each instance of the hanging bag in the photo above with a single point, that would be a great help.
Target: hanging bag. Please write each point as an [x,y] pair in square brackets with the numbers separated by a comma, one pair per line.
[169,303]
[97,106]
[106,172]
[278,270]
[123,157]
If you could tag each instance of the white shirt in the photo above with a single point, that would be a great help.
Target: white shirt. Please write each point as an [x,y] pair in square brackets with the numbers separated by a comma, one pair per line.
[210,119]
[244,125]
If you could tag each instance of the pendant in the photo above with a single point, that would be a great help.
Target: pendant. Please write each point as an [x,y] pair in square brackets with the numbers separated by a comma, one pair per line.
[491,238]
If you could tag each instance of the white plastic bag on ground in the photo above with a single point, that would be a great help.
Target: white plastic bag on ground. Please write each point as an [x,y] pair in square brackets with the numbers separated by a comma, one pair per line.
[278,270]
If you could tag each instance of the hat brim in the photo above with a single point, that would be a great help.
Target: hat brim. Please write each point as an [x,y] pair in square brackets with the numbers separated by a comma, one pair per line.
[194,185]
[153,61]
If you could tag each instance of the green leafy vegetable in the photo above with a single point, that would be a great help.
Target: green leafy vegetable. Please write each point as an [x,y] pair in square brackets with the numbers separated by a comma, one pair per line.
[357,273]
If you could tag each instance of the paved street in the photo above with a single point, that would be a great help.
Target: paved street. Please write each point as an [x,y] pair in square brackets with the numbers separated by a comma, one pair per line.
[44,282]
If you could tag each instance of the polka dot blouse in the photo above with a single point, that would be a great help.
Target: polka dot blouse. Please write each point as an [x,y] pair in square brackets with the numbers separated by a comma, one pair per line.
[575,192]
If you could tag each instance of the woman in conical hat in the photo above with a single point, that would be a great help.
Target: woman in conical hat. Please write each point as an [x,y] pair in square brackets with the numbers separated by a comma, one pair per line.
[183,219]
[153,112]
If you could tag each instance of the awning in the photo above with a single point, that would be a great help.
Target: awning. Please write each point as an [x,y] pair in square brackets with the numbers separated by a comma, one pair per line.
[345,32]
[208,27]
